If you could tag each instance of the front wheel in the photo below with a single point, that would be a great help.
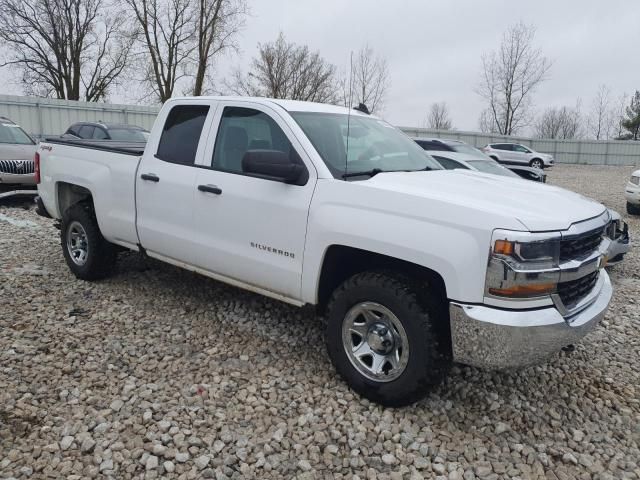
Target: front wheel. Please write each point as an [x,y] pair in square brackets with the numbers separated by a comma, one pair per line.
[88,255]
[536,163]
[633,209]
[382,338]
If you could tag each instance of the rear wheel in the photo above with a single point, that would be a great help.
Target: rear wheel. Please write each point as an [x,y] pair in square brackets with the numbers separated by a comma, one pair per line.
[536,163]
[633,209]
[383,340]
[88,255]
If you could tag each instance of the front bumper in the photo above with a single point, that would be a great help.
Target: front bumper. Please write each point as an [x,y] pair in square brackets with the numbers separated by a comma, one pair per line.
[17,179]
[618,247]
[493,338]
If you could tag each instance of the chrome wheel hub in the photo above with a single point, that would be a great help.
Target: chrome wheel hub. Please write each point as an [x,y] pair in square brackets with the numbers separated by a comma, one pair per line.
[77,243]
[375,341]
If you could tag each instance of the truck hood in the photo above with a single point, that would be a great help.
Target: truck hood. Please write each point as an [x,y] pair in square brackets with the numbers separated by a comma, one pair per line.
[17,152]
[537,206]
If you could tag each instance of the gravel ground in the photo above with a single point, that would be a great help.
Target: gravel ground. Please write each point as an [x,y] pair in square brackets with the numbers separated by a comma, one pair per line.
[160,373]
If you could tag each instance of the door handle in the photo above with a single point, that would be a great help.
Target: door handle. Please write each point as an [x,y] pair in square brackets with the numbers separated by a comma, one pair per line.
[152,177]
[210,189]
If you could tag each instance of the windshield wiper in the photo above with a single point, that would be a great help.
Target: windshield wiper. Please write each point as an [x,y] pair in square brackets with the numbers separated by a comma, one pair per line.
[369,173]
[374,171]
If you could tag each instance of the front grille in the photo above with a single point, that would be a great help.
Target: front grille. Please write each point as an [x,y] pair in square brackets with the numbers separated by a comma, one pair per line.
[572,292]
[16,167]
[581,245]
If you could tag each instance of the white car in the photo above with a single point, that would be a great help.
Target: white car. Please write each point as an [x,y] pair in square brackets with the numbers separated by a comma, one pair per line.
[518,154]
[464,161]
[632,194]
[412,266]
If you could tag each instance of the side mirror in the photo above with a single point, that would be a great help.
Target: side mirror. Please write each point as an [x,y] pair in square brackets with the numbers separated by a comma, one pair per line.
[274,165]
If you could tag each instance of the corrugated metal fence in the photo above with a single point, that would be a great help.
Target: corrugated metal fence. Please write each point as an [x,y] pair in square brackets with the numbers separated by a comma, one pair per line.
[44,116]
[589,152]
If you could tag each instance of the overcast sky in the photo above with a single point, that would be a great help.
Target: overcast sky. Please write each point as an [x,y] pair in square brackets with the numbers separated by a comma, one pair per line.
[434,48]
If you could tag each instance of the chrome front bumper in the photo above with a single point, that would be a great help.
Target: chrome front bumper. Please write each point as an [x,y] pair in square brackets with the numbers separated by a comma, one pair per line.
[17,179]
[496,339]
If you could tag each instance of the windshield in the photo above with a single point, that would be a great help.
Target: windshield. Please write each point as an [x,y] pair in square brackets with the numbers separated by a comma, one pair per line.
[489,166]
[127,134]
[372,144]
[12,133]
[468,149]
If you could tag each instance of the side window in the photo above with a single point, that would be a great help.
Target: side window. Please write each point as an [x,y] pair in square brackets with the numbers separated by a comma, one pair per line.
[85,131]
[243,129]
[73,130]
[181,134]
[449,164]
[520,149]
[99,134]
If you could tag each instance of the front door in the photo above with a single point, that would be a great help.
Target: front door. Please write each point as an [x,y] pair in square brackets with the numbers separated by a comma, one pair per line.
[247,228]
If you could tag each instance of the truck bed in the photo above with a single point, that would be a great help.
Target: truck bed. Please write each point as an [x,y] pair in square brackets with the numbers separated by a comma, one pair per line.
[126,148]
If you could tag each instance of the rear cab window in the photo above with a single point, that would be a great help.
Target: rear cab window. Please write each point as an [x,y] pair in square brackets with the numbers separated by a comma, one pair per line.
[181,134]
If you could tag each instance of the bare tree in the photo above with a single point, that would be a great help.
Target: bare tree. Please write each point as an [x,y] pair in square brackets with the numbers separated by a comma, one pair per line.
[369,81]
[600,122]
[165,34]
[217,24]
[510,76]
[283,69]
[70,49]
[438,118]
[560,123]
[618,113]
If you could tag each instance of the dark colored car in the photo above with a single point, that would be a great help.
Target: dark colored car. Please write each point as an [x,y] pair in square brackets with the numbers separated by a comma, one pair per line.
[529,173]
[107,131]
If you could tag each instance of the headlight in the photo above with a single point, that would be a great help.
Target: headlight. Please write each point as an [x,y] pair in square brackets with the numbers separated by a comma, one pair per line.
[523,265]
[635,180]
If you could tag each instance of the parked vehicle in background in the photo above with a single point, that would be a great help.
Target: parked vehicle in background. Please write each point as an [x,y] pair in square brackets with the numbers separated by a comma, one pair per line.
[632,194]
[438,145]
[447,145]
[529,173]
[107,131]
[17,149]
[618,233]
[518,154]
[463,161]
[413,266]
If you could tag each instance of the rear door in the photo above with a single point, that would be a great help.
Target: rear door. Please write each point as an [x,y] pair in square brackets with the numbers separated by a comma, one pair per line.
[165,183]
[252,229]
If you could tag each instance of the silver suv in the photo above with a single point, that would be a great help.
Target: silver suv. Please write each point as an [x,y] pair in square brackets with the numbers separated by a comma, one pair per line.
[515,153]
[17,150]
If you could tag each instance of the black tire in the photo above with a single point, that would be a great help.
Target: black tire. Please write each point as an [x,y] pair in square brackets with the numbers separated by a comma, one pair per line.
[633,209]
[429,347]
[101,255]
[537,161]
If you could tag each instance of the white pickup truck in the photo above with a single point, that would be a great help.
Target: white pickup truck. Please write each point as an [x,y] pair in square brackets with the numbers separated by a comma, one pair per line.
[413,266]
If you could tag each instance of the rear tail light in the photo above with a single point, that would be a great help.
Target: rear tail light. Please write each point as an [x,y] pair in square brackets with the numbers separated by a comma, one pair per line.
[36,167]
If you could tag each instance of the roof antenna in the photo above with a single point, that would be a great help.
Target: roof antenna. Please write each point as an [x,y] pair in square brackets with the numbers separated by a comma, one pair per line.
[346,155]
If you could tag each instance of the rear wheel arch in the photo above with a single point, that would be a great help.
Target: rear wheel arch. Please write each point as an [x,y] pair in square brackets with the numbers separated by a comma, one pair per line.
[69,194]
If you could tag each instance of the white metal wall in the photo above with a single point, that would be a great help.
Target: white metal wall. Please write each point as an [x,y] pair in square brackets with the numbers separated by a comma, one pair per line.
[45,116]
[591,152]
